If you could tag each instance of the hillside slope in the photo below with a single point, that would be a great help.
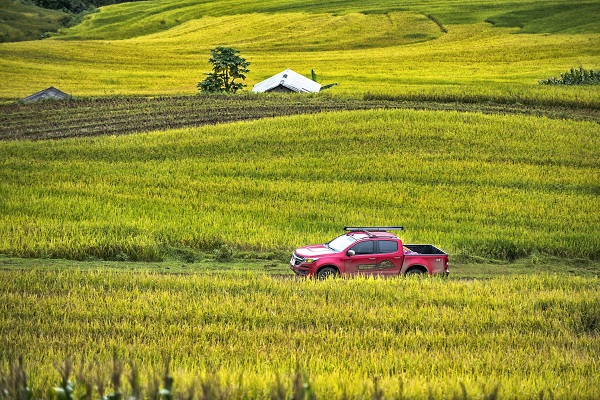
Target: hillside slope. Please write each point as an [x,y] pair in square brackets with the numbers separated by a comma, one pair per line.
[437,49]
[486,185]
[137,19]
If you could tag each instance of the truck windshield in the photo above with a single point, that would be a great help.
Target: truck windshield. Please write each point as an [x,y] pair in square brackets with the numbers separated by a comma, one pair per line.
[341,242]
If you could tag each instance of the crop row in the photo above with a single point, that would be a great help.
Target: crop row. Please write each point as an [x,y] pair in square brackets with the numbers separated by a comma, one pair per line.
[127,115]
[123,115]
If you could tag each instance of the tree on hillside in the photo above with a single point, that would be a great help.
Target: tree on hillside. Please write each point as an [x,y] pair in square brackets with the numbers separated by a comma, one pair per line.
[227,67]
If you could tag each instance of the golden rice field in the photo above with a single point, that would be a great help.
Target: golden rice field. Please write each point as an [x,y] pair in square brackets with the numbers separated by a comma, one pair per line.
[245,334]
[487,185]
[478,186]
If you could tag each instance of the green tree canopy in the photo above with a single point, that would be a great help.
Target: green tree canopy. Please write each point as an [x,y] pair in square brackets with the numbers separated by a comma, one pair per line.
[227,67]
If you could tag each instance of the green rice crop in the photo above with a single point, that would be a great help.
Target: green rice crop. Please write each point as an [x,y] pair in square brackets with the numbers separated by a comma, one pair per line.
[528,336]
[487,185]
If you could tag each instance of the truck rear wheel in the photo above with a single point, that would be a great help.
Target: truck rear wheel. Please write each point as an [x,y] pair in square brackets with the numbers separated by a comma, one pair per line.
[327,272]
[416,271]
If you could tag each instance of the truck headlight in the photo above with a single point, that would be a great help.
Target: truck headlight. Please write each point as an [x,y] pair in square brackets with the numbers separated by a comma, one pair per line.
[310,260]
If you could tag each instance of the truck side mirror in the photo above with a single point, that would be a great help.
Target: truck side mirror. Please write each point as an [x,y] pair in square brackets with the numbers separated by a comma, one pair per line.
[350,253]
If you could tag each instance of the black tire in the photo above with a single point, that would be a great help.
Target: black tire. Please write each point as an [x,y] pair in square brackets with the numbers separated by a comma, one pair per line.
[415,272]
[327,272]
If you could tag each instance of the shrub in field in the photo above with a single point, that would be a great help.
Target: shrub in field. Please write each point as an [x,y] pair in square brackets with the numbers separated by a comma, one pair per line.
[223,253]
[580,76]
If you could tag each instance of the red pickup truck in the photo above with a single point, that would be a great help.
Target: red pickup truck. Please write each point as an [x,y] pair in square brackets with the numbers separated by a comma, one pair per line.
[368,251]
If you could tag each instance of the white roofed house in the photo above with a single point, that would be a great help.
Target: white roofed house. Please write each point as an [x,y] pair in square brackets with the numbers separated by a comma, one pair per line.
[287,81]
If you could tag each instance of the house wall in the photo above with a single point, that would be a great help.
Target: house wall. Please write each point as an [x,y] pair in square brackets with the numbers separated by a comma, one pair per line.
[280,89]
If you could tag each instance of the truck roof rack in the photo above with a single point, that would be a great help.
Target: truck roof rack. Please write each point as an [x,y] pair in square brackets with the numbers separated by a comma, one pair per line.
[373,228]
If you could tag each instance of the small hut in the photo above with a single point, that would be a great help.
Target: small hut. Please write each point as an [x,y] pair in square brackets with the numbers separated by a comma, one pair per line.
[287,81]
[51,93]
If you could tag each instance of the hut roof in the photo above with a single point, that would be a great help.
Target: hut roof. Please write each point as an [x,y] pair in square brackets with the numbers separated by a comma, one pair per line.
[50,93]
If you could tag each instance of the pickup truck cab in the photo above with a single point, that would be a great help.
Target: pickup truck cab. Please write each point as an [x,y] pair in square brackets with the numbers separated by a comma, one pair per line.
[368,251]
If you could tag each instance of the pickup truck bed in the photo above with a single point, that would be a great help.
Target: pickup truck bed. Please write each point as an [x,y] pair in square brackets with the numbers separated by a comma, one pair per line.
[423,249]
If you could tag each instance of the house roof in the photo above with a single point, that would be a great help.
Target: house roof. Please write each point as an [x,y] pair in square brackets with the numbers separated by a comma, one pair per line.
[46,94]
[288,79]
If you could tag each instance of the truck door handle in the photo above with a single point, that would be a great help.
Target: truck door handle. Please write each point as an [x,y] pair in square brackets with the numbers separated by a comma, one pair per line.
[397,258]
[372,258]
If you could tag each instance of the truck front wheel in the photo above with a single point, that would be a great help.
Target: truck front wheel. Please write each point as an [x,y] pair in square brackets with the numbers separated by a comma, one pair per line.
[327,272]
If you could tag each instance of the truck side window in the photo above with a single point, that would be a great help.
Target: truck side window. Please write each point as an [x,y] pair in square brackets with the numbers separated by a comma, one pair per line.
[388,246]
[364,247]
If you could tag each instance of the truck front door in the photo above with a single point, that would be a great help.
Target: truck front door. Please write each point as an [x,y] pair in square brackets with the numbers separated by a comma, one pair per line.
[363,260]
[375,257]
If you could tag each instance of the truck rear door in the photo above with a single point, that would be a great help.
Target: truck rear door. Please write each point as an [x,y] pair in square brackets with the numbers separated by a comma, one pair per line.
[389,257]
[375,257]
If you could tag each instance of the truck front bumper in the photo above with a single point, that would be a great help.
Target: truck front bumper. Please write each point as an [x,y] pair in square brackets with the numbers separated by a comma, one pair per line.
[300,270]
